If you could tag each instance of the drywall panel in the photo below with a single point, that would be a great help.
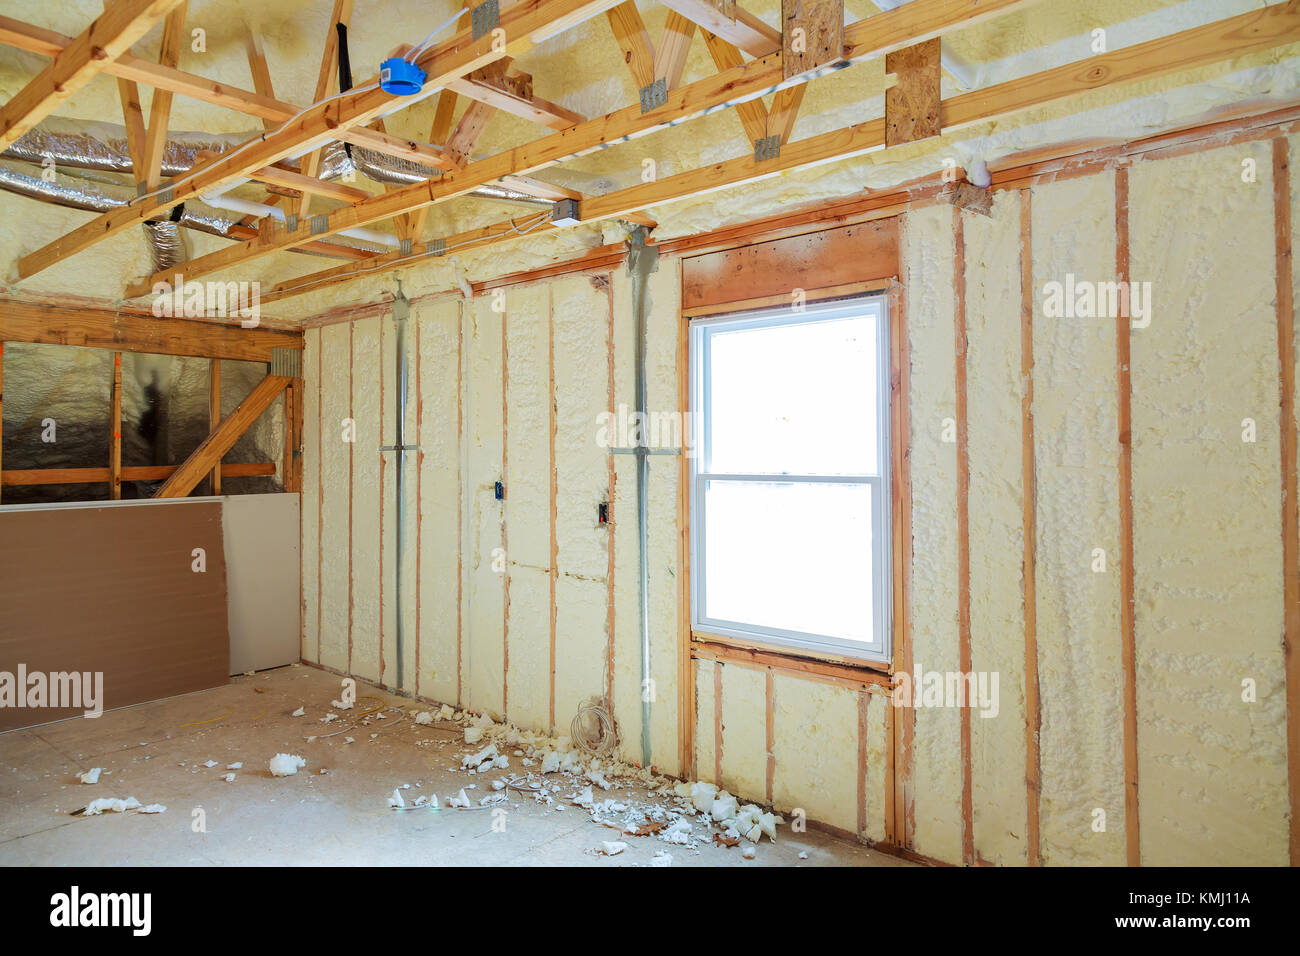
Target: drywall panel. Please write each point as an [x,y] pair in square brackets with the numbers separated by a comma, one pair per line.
[1207,513]
[994,391]
[705,709]
[135,593]
[744,732]
[936,752]
[815,739]
[485,564]
[580,316]
[311,489]
[528,505]
[336,497]
[367,487]
[1076,467]
[262,563]
[439,339]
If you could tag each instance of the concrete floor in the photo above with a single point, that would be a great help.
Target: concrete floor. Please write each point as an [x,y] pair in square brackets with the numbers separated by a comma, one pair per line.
[340,817]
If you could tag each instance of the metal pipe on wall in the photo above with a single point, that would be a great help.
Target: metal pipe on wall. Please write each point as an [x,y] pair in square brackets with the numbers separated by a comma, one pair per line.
[642,260]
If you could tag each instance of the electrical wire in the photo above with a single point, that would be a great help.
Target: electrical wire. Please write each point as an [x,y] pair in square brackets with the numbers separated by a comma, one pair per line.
[423,44]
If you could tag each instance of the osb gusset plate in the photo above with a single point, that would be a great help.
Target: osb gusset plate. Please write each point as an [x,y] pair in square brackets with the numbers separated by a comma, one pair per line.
[821,40]
[912,104]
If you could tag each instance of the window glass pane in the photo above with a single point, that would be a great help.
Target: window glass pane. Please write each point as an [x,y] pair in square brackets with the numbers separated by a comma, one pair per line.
[790,555]
[793,399]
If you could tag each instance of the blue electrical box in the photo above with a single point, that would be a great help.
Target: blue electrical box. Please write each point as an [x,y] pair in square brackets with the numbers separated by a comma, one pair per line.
[399,77]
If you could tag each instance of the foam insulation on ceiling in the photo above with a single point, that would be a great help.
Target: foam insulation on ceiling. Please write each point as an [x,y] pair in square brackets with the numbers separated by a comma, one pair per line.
[1206,363]
[994,391]
[1076,471]
[936,751]
[441,481]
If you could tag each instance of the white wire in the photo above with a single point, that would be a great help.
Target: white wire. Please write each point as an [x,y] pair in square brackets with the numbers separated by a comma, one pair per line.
[260,139]
[416,51]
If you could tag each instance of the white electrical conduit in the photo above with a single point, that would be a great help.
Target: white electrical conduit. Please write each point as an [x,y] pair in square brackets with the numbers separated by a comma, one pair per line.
[249,208]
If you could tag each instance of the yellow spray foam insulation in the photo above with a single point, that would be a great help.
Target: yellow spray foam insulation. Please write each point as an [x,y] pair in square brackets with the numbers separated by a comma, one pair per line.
[994,390]
[366,498]
[1207,512]
[815,731]
[336,495]
[1076,465]
[744,732]
[440,496]
[310,443]
[705,731]
[936,770]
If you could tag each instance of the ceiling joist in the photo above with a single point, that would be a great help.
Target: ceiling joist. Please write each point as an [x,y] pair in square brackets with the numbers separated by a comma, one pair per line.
[107,38]
[872,37]
[1215,42]
[525,25]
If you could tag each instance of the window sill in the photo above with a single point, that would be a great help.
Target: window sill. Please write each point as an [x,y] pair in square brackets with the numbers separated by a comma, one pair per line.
[812,663]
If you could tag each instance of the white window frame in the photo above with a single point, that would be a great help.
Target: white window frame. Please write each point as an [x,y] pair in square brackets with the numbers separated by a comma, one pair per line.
[882,539]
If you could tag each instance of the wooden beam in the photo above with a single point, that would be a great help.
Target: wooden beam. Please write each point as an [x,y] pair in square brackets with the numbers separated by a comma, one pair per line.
[472,123]
[876,35]
[1286,351]
[160,108]
[674,47]
[261,72]
[115,438]
[310,166]
[89,476]
[912,105]
[86,327]
[784,111]
[140,71]
[223,437]
[288,179]
[752,113]
[745,31]
[1159,57]
[108,37]
[633,39]
[524,24]
[2,409]
[513,93]
[214,414]
[819,25]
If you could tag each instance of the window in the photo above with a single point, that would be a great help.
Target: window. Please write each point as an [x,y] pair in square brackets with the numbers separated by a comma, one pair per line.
[789,494]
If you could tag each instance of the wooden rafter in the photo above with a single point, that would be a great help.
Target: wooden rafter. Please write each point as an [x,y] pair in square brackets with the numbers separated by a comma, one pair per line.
[873,36]
[342,13]
[744,30]
[140,71]
[42,323]
[1211,43]
[630,33]
[222,438]
[512,93]
[161,106]
[524,25]
[674,46]
[752,113]
[111,35]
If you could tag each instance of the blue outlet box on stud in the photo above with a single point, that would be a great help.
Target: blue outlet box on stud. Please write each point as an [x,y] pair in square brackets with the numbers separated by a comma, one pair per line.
[399,77]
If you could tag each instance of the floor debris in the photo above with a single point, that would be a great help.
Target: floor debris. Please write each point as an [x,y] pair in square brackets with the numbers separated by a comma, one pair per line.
[286,765]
